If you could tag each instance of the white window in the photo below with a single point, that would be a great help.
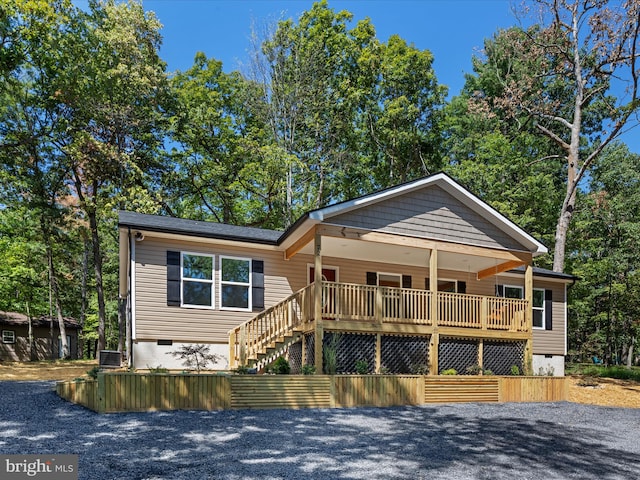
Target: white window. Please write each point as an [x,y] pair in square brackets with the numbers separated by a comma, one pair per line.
[197,280]
[8,336]
[235,283]
[538,308]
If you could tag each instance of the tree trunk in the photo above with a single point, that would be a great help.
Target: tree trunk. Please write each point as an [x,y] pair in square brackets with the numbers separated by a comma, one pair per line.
[32,352]
[97,263]
[56,298]
[630,352]
[83,290]
[97,259]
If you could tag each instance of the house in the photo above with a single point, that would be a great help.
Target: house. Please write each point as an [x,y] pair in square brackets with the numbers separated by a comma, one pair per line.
[15,337]
[421,276]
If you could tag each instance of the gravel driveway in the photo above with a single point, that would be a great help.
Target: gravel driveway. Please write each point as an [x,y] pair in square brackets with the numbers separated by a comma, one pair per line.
[465,441]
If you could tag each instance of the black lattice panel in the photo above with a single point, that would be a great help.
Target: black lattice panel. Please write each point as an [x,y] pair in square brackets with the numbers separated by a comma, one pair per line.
[499,357]
[404,354]
[457,354]
[352,348]
[295,357]
[310,345]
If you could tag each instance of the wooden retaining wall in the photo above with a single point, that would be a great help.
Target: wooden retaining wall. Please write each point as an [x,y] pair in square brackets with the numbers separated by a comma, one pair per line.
[131,392]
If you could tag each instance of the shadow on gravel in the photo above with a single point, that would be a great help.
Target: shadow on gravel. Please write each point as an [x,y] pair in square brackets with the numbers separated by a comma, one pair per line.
[449,441]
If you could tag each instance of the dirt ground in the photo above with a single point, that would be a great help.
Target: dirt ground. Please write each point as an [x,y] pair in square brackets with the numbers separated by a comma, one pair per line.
[594,391]
[608,392]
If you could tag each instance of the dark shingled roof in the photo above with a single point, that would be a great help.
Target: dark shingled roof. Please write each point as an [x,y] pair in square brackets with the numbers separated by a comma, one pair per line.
[18,319]
[543,272]
[157,223]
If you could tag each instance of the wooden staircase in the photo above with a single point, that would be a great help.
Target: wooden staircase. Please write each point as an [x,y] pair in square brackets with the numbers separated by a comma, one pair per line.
[265,337]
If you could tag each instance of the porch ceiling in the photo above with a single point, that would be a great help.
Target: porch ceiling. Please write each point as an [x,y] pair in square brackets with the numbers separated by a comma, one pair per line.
[399,255]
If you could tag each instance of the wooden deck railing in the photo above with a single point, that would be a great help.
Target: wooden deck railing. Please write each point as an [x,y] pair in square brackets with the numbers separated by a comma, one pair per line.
[270,326]
[376,305]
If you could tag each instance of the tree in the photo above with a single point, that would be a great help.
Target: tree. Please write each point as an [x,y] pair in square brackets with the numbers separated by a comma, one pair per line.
[228,170]
[353,114]
[560,75]
[604,252]
[403,119]
[109,100]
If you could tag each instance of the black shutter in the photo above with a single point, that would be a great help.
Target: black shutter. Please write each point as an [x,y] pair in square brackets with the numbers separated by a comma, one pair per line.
[372,278]
[427,283]
[462,287]
[499,290]
[406,281]
[173,278]
[548,310]
[257,282]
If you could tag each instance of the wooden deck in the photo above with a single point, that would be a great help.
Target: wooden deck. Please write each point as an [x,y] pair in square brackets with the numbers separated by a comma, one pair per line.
[132,392]
[380,310]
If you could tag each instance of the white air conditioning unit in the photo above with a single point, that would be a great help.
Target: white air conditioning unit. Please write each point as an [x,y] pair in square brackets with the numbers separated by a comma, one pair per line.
[110,359]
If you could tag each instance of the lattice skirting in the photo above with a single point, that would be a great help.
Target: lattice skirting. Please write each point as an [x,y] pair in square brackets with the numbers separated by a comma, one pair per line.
[410,354]
[295,357]
[401,354]
[457,354]
[499,357]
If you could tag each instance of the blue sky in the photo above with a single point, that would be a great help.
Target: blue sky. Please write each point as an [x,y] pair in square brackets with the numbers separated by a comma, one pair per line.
[451,29]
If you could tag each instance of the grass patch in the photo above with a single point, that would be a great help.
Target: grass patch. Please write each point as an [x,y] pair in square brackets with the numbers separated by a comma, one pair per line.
[618,372]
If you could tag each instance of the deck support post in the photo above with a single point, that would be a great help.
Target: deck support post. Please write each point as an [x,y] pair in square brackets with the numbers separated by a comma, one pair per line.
[433,287]
[243,345]
[481,352]
[378,353]
[233,343]
[528,318]
[317,302]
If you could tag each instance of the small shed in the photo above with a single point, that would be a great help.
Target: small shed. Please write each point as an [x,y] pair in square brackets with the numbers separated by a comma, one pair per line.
[14,344]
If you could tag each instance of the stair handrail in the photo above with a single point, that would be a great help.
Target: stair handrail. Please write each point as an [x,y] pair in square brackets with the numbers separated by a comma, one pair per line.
[253,336]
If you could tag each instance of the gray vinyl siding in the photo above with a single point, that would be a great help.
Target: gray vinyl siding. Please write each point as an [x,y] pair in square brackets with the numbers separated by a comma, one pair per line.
[432,213]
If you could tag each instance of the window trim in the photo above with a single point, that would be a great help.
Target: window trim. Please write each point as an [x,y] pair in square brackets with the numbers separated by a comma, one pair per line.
[519,287]
[543,308]
[13,337]
[248,285]
[200,280]
[389,274]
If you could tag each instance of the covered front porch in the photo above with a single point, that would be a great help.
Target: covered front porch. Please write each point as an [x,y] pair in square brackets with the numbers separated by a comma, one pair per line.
[381,308]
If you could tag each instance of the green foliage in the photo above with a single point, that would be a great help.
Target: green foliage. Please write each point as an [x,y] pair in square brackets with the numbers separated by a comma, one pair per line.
[281,366]
[362,367]
[515,370]
[242,370]
[621,373]
[330,354]
[195,355]
[473,370]
[420,369]
[308,369]
[157,370]
[450,371]
[93,373]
